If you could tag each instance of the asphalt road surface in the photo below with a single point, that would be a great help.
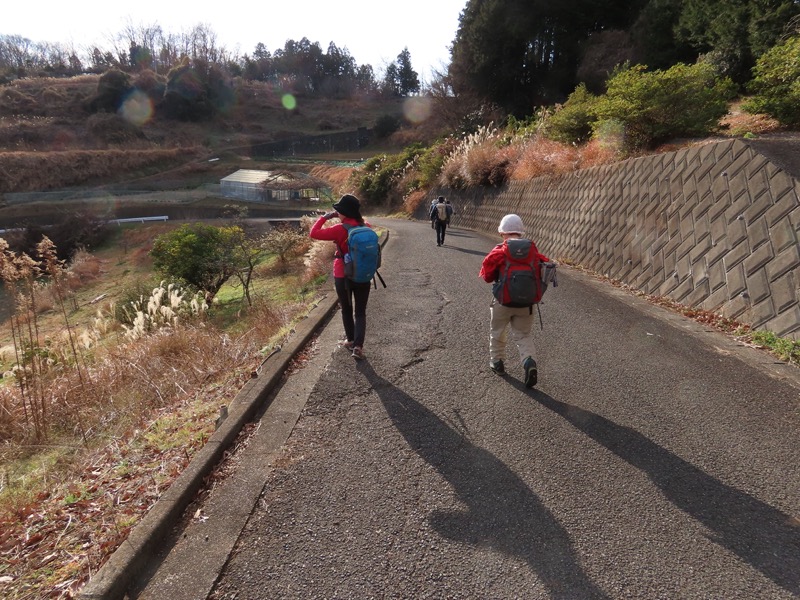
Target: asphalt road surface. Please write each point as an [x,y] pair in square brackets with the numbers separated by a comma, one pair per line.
[653,460]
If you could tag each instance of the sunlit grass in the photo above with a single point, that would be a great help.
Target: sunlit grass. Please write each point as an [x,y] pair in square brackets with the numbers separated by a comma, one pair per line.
[784,348]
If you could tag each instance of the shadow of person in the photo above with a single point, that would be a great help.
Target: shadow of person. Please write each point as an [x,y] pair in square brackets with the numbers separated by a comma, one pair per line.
[465,251]
[759,534]
[456,233]
[502,512]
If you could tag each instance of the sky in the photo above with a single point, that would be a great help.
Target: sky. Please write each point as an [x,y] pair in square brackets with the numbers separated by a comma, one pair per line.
[374,33]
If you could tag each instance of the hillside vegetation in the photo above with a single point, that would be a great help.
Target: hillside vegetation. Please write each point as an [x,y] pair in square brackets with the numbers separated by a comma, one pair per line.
[48,139]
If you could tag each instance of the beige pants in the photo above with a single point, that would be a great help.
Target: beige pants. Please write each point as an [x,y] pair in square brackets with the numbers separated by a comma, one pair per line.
[514,322]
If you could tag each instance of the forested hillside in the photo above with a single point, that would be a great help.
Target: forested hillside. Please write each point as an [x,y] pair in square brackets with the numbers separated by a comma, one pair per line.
[520,54]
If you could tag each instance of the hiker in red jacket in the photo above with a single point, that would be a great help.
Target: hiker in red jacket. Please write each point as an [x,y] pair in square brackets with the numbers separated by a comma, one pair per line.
[352,296]
[505,320]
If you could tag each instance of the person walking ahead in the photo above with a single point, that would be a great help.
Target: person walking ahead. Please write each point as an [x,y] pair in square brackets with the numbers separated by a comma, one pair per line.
[440,214]
[352,296]
[507,320]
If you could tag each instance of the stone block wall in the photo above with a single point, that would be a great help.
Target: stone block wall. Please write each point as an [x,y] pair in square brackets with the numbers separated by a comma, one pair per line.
[713,226]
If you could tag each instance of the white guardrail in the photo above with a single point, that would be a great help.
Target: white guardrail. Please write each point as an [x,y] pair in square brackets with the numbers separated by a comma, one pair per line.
[139,219]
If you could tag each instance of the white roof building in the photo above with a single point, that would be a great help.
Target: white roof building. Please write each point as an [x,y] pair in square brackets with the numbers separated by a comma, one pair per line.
[272,186]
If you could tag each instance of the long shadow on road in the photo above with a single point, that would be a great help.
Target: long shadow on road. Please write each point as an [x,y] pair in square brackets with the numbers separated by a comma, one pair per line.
[503,512]
[449,246]
[759,534]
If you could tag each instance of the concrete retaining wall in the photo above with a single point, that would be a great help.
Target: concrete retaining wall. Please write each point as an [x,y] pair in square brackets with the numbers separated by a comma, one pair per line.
[714,226]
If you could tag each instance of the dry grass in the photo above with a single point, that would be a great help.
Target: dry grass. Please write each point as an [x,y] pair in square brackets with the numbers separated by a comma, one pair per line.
[412,201]
[540,156]
[486,160]
[120,428]
[24,171]
[740,123]
[339,178]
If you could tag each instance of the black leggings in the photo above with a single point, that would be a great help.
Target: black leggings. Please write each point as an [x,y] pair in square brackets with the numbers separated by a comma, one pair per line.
[353,299]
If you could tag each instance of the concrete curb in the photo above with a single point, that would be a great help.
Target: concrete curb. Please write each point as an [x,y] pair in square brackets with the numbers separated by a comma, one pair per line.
[115,576]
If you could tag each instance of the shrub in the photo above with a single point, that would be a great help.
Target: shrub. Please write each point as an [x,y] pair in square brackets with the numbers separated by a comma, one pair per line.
[431,161]
[386,125]
[382,172]
[572,122]
[54,96]
[285,242]
[201,255]
[318,261]
[776,83]
[194,94]
[112,87]
[595,152]
[685,100]
[83,268]
[151,84]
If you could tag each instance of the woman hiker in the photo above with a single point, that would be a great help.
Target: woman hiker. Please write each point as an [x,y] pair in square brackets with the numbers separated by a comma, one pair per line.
[352,296]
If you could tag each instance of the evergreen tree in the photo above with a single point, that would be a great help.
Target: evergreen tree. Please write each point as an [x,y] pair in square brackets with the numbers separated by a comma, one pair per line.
[734,32]
[391,81]
[653,35]
[408,81]
[522,53]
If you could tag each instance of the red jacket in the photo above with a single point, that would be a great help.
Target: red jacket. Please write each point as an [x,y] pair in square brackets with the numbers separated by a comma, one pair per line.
[490,269]
[336,233]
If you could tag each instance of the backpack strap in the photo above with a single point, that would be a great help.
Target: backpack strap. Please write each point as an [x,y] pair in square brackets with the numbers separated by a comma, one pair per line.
[341,251]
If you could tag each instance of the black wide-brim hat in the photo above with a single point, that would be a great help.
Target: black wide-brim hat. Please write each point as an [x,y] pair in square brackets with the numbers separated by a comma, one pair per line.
[349,206]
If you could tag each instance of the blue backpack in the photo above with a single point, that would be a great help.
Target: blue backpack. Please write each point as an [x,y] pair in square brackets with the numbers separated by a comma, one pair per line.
[363,258]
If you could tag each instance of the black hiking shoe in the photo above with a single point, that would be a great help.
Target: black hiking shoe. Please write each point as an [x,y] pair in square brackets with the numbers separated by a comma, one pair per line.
[531,374]
[498,367]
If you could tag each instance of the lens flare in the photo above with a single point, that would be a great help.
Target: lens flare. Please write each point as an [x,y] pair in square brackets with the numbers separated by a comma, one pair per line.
[417,109]
[137,108]
[289,102]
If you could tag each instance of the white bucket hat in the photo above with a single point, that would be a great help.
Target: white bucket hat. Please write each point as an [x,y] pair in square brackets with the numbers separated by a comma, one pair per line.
[511,224]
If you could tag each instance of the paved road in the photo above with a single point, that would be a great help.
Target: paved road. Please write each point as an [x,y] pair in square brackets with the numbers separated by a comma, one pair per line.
[653,460]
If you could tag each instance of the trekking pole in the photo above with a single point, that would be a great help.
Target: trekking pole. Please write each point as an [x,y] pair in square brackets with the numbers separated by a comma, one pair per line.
[379,277]
[539,309]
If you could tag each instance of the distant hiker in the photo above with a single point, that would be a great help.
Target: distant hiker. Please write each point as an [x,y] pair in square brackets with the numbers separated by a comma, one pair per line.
[432,213]
[515,260]
[440,216]
[353,295]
